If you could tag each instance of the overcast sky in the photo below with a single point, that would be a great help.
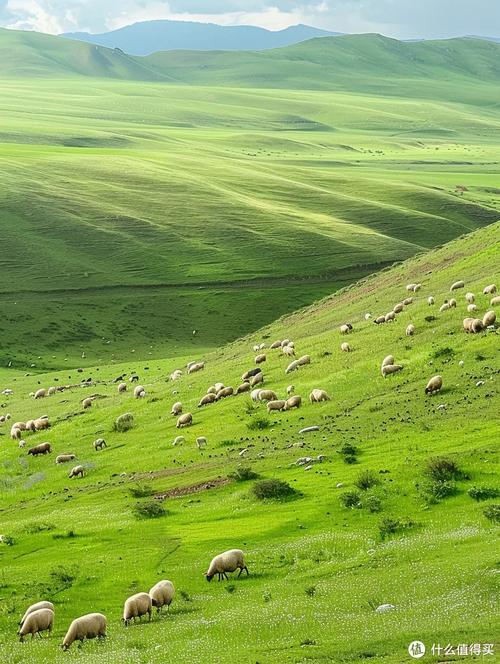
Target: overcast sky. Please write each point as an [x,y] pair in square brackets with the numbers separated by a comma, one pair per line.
[395,18]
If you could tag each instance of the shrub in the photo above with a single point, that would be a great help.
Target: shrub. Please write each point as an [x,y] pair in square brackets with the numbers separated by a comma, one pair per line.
[141,491]
[442,469]
[38,527]
[430,319]
[63,577]
[7,540]
[366,480]
[350,499]
[492,512]
[185,595]
[439,490]
[389,526]
[372,503]
[230,588]
[123,423]
[273,489]
[149,510]
[243,474]
[483,493]
[258,425]
[311,591]
[443,352]
[67,535]
[348,453]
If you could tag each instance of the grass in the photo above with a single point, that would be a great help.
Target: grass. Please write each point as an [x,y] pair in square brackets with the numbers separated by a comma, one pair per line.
[436,562]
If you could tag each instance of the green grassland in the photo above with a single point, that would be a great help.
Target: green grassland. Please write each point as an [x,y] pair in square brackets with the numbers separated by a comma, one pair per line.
[136,211]
[317,569]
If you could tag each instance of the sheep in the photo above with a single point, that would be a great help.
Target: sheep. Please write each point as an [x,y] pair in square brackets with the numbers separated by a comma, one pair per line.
[40,394]
[185,420]
[275,344]
[434,385]
[289,351]
[251,373]
[368,316]
[139,392]
[41,448]
[22,443]
[416,287]
[254,394]
[124,422]
[208,398]
[345,328]
[456,285]
[229,561]
[30,425]
[41,423]
[470,298]
[490,290]
[99,444]
[390,369]
[388,359]
[279,404]
[379,320]
[345,347]
[175,375]
[467,322]
[293,402]
[35,607]
[452,302]
[178,440]
[15,433]
[444,307]
[225,392]
[260,358]
[77,471]
[122,387]
[430,300]
[64,458]
[19,425]
[201,442]
[256,347]
[257,379]
[89,626]
[495,301]
[398,308]
[410,330]
[285,342]
[51,391]
[87,403]
[136,606]
[162,594]
[489,318]
[476,326]
[198,366]
[37,621]
[410,287]
[176,409]
[318,395]
[390,316]
[219,387]
[290,389]
[267,395]
[407,301]
[302,361]
[471,308]
[244,387]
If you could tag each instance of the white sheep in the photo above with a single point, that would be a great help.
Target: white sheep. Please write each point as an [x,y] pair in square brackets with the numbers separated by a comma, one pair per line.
[40,620]
[388,359]
[489,318]
[22,443]
[305,359]
[51,391]
[390,316]
[471,308]
[407,301]
[410,330]
[289,351]
[293,402]
[162,594]
[398,308]
[318,395]
[345,347]
[278,404]
[64,458]
[197,366]
[89,626]
[244,387]
[178,440]
[470,298]
[254,394]
[99,444]
[136,606]
[185,420]
[390,369]
[139,392]
[275,344]
[434,385]
[430,300]
[267,395]
[410,287]
[260,358]
[293,366]
[87,403]
[229,561]
[35,607]
[218,387]
[495,301]
[368,316]
[176,409]
[284,343]
[444,307]
[201,442]
[208,398]
[290,389]
[77,471]
[40,394]
[257,379]
[122,387]
[175,375]
[456,285]
[345,328]
[490,290]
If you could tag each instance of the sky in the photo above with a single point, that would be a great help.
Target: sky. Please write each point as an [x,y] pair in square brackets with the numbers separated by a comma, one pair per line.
[403,19]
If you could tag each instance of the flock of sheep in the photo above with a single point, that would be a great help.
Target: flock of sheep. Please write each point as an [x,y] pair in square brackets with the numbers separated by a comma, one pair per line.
[40,617]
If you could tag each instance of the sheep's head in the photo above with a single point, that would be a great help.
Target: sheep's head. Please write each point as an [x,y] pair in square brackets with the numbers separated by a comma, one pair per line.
[209,577]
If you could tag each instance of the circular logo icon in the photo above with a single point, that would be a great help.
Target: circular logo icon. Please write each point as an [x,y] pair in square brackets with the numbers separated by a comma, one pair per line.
[416,649]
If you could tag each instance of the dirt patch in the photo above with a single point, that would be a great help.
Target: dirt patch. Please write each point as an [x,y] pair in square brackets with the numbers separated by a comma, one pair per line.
[193,488]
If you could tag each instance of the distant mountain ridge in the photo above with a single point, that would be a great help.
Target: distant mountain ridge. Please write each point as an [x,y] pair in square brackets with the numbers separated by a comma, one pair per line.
[148,37]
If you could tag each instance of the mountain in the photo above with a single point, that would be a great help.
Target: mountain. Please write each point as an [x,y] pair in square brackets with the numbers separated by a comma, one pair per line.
[150,36]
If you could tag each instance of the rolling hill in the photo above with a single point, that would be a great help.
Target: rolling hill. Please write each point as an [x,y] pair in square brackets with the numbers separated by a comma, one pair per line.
[321,561]
[147,37]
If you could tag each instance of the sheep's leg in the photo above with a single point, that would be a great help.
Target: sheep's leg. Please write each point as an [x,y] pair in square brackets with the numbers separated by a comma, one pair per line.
[246,570]
[225,576]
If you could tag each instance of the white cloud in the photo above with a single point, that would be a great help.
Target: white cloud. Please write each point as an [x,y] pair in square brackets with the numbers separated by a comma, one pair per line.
[32,15]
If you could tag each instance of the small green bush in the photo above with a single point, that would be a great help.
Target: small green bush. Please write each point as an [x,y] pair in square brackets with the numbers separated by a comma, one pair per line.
[350,499]
[348,453]
[230,588]
[259,425]
[390,526]
[273,489]
[442,469]
[366,480]
[141,491]
[7,540]
[443,352]
[63,577]
[149,510]
[311,591]
[243,474]
[371,503]
[38,527]
[492,512]
[69,534]
[483,493]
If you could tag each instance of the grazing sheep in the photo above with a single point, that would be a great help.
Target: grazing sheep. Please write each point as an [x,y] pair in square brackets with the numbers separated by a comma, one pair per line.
[41,423]
[267,395]
[471,308]
[489,318]
[162,594]
[218,387]
[410,330]
[254,394]
[257,379]
[225,392]
[77,471]
[285,342]
[122,387]
[35,607]
[407,301]
[51,391]
[305,359]
[390,369]
[87,403]
[293,402]
[430,300]
[19,425]
[37,621]
[30,425]
[229,561]
[139,392]
[345,347]
[175,375]
[470,298]
[256,348]
[476,326]
[435,383]
[388,359]
[251,373]
[279,404]
[416,287]
[390,316]
[201,442]
[178,440]
[208,398]
[176,409]
[22,443]
[379,320]
[289,351]
[260,358]
[99,444]
[444,307]
[136,606]
[185,420]
[64,458]
[212,390]
[275,344]
[197,366]
[318,395]
[15,433]
[495,301]
[467,322]
[345,329]
[41,448]
[398,308]
[452,303]
[456,285]
[410,287]
[490,290]
[40,394]
[134,378]
[244,387]
[89,626]
[290,389]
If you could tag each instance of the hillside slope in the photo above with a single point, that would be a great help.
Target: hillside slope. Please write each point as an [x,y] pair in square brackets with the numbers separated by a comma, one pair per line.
[317,569]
